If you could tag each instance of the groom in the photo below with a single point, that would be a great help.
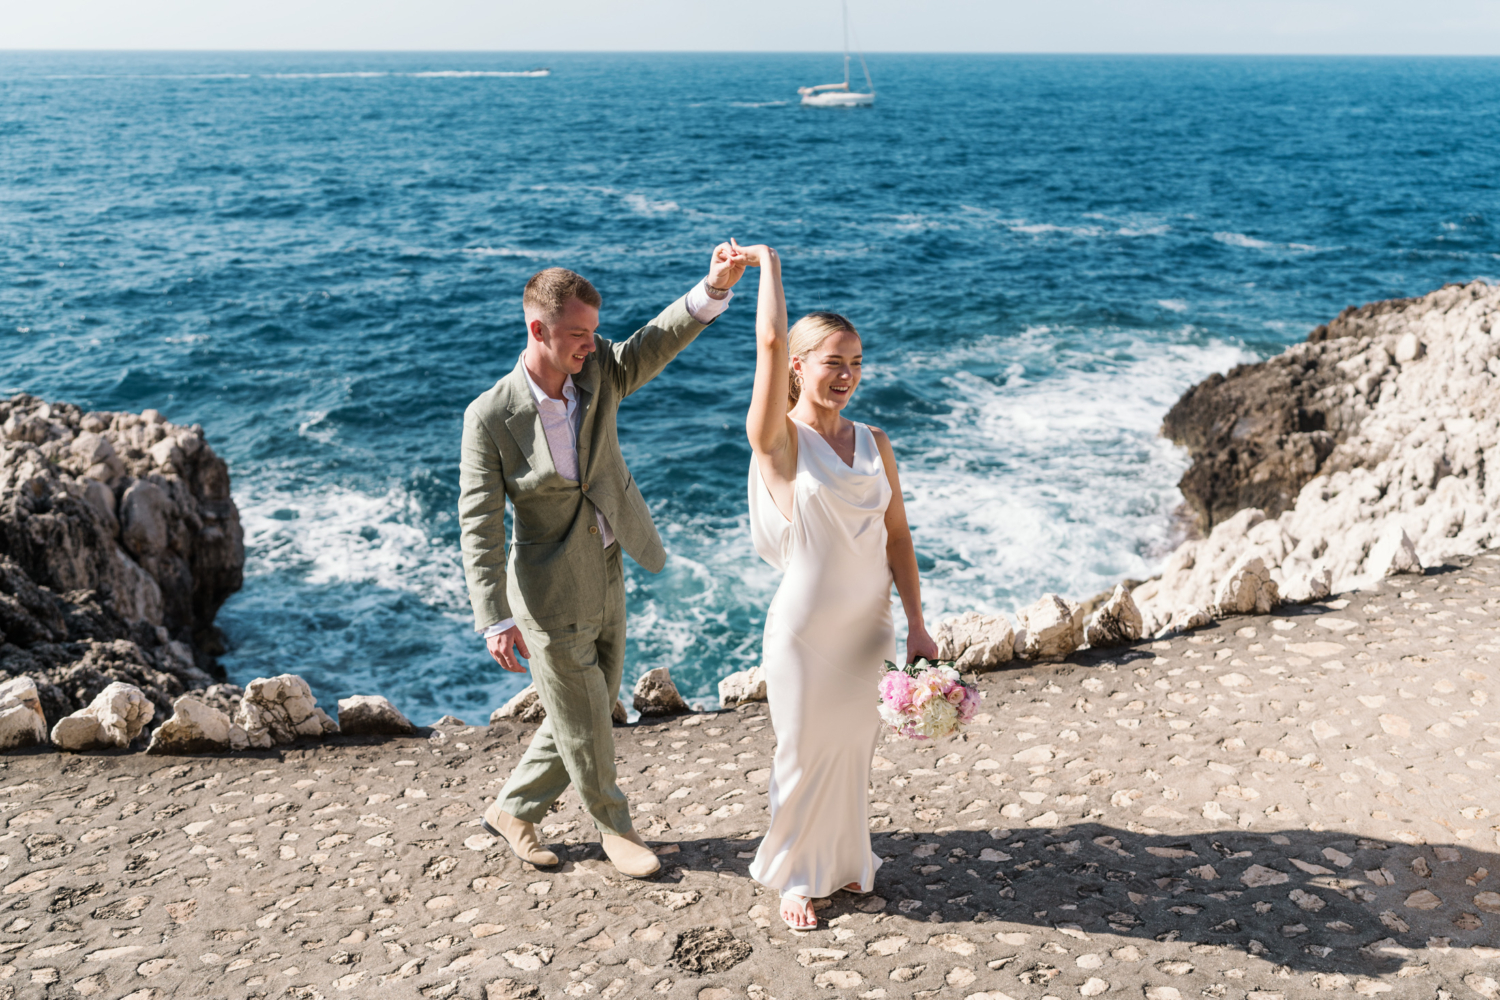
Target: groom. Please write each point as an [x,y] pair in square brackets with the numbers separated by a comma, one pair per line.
[544,436]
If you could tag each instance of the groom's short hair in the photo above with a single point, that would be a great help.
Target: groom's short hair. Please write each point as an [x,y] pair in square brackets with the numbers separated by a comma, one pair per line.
[548,292]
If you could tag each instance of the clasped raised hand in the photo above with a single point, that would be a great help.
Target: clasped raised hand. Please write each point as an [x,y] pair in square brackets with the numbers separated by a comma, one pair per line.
[751,256]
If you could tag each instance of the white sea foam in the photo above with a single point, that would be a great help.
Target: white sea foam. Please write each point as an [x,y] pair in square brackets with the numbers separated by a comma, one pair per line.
[1251,243]
[1053,482]
[501,252]
[1176,305]
[642,205]
[351,74]
[482,72]
[1043,228]
[1241,240]
[339,535]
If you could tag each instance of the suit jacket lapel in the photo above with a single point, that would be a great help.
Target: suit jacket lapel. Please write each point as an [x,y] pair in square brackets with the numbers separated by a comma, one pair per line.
[525,422]
[587,384]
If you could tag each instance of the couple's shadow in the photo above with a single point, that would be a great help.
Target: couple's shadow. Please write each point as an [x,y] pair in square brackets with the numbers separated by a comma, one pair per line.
[1323,901]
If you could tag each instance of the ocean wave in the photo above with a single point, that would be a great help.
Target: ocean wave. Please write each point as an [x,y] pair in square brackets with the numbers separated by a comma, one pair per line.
[1055,482]
[1251,243]
[502,252]
[459,73]
[1041,228]
[641,205]
[339,535]
[1241,240]
[346,74]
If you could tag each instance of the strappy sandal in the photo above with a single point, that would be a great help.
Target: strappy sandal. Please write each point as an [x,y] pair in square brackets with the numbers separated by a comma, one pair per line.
[805,901]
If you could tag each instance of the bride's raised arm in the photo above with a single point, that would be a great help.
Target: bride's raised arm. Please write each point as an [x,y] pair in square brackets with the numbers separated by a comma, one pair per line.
[767,424]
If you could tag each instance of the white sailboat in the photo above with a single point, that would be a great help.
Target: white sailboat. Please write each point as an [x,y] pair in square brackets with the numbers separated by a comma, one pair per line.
[838,95]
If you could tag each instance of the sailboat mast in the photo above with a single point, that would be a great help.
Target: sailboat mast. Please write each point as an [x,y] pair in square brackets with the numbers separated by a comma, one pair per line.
[846,43]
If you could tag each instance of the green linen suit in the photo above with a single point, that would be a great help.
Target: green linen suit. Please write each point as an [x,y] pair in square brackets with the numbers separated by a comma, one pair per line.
[563,588]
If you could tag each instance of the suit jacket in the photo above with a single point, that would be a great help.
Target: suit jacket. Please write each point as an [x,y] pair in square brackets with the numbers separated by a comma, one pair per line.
[553,574]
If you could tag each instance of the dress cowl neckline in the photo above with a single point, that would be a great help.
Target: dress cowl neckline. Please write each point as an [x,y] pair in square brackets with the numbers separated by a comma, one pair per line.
[816,455]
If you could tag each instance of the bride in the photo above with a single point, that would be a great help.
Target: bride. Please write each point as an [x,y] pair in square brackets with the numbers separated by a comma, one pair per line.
[826,509]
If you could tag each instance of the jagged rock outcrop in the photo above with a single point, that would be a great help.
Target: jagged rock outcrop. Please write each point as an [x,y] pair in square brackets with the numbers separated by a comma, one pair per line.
[196,727]
[1247,590]
[743,686]
[656,694]
[281,709]
[1050,629]
[118,543]
[372,715]
[1117,623]
[114,718]
[21,721]
[975,642]
[1406,397]
[526,706]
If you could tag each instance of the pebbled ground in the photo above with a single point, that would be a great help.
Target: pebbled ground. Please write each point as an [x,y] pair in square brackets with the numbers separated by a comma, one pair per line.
[1272,808]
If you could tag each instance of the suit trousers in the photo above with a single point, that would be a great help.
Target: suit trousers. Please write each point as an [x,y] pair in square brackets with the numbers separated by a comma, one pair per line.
[577,671]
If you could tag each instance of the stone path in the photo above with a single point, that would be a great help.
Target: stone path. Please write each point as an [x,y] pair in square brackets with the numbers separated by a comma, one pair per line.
[1271,808]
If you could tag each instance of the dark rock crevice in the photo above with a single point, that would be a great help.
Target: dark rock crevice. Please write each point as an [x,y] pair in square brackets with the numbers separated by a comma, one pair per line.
[1263,431]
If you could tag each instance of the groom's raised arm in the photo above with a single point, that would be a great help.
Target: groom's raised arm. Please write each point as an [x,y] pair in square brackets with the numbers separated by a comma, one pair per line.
[481,518]
[641,357]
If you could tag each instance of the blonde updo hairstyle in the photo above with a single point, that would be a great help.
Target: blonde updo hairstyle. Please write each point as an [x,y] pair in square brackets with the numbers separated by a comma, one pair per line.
[806,336]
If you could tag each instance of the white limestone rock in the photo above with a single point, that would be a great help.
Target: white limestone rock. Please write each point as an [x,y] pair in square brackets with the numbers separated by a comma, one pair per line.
[1393,554]
[372,715]
[1419,446]
[196,727]
[1185,620]
[114,718]
[281,709]
[655,694]
[1117,623]
[527,706]
[1312,584]
[1408,348]
[1051,629]
[743,686]
[1247,590]
[22,723]
[976,642]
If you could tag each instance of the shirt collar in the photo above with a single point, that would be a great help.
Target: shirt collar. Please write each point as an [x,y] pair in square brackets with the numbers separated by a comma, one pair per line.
[570,394]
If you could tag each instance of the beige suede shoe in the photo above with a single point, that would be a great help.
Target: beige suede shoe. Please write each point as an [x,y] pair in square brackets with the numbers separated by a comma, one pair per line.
[630,855]
[519,834]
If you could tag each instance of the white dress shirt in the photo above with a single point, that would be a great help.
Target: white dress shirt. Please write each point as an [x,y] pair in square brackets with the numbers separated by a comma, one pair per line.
[560,418]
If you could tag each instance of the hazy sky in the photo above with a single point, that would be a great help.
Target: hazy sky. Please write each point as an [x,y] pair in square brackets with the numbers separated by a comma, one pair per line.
[1459,27]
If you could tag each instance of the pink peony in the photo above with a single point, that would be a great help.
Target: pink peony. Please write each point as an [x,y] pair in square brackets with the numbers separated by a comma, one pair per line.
[969,705]
[897,690]
[956,694]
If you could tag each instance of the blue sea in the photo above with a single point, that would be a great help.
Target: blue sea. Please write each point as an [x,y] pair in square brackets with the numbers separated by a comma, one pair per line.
[319,258]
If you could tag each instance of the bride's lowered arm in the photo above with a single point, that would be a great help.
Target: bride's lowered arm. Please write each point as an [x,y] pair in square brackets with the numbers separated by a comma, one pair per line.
[902,555]
[767,424]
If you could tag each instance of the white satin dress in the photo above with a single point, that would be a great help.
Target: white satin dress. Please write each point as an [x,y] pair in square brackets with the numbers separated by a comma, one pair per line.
[828,633]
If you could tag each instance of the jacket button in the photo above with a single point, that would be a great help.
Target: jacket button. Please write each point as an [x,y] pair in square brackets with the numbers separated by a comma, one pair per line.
[593,529]
[585,487]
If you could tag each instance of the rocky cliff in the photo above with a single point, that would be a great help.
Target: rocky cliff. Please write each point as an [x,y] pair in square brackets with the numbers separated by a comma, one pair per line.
[1372,448]
[118,544]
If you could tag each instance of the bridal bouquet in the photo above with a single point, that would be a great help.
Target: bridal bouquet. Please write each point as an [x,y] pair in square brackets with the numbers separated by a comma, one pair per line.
[926,700]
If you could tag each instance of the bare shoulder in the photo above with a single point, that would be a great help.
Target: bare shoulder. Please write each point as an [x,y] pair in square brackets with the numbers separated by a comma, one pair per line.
[880,437]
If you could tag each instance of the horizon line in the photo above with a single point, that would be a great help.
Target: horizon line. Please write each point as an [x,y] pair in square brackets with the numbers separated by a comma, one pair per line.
[912,52]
